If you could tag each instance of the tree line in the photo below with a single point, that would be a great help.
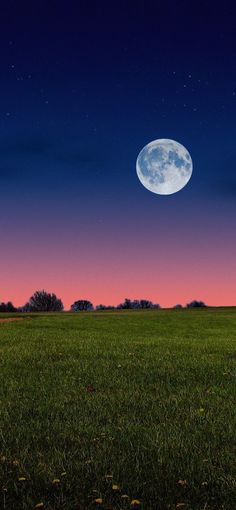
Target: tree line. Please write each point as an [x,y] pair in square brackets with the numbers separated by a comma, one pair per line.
[42,301]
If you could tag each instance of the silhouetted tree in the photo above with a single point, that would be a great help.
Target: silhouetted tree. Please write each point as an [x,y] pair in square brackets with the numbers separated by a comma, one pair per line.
[126,305]
[2,307]
[144,303]
[177,307]
[136,304]
[196,304]
[81,305]
[10,307]
[105,307]
[42,301]
[7,307]
[24,308]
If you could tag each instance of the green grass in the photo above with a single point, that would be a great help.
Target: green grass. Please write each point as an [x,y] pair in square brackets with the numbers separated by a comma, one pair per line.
[163,410]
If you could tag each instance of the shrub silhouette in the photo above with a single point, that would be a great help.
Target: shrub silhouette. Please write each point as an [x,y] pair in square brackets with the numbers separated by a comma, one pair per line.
[105,307]
[81,305]
[196,304]
[136,304]
[7,307]
[42,301]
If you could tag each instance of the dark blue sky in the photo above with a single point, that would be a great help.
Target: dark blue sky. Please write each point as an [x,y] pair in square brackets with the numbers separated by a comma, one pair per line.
[84,86]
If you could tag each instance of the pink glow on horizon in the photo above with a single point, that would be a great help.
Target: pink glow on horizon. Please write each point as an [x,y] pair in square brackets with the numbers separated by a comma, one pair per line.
[168,272]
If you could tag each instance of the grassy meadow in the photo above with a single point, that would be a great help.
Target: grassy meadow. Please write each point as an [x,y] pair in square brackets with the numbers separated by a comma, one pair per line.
[118,410]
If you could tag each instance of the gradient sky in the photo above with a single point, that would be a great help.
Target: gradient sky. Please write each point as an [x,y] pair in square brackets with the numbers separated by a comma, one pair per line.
[84,86]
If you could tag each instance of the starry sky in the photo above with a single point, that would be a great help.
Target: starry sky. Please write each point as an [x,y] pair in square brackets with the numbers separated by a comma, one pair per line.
[84,86]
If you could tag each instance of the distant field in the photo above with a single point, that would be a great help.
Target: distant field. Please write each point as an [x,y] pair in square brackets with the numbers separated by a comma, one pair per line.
[145,397]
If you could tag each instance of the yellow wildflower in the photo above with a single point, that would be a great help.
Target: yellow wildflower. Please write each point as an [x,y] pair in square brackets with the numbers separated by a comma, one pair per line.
[115,487]
[125,496]
[39,505]
[135,502]
[183,483]
[99,501]
[21,479]
[56,481]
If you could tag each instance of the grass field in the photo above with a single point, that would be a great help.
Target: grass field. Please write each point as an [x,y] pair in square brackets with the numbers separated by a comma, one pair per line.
[98,406]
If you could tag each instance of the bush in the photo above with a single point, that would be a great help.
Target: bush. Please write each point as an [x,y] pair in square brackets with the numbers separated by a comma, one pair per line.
[196,304]
[42,301]
[7,307]
[81,305]
[136,304]
[105,307]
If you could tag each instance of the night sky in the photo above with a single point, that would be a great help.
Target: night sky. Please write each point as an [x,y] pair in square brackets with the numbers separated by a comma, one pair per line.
[84,86]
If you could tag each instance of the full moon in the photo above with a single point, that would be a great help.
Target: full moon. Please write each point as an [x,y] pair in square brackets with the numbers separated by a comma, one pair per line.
[164,166]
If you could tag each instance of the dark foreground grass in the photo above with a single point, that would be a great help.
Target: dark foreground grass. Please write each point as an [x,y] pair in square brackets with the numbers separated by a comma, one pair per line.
[145,397]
